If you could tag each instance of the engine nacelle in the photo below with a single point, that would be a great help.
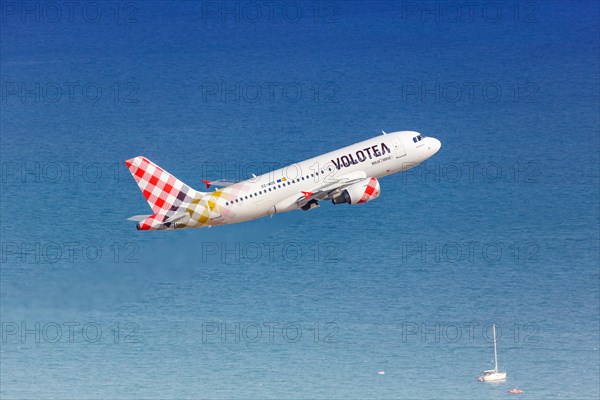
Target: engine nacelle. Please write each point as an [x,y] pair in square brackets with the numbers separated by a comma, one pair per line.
[359,192]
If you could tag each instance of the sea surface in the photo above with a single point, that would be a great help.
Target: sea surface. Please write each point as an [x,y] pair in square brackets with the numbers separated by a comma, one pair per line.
[391,299]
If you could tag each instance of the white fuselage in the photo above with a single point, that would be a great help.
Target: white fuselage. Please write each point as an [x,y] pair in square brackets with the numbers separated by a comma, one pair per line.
[276,191]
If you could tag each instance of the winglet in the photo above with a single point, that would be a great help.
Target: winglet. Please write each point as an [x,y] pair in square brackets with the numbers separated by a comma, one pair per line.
[307,195]
[207,183]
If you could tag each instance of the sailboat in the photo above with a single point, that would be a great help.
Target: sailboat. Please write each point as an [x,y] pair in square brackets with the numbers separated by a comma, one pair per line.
[493,375]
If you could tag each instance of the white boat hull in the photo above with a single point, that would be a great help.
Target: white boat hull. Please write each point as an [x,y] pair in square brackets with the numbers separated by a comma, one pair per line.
[493,377]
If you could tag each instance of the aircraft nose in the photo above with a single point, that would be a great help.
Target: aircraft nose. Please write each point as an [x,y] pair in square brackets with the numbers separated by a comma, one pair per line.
[435,145]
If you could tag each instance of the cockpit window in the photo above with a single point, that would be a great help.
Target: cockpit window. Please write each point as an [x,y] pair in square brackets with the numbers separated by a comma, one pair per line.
[418,138]
[415,139]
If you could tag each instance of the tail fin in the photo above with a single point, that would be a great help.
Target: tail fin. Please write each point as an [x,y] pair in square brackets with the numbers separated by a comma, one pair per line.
[162,190]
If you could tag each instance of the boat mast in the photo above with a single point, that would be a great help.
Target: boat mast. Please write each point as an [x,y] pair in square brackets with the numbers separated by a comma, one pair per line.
[495,352]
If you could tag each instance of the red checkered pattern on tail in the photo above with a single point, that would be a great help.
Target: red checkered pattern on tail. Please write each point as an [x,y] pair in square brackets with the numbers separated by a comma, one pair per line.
[162,190]
[151,222]
[371,191]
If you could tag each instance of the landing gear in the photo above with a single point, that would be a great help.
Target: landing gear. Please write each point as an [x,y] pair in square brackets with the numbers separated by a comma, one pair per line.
[310,205]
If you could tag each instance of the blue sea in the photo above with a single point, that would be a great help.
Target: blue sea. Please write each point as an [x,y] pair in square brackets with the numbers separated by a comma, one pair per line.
[393,299]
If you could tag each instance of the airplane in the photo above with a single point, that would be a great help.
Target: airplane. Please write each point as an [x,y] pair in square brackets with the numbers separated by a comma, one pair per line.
[345,176]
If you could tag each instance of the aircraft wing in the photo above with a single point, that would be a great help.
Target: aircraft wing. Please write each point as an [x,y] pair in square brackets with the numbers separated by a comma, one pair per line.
[331,189]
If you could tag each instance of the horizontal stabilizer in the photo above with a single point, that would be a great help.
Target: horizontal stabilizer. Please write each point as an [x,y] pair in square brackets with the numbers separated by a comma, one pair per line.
[218,183]
[138,218]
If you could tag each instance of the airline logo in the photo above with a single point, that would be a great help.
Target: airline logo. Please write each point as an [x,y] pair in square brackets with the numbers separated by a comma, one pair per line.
[361,156]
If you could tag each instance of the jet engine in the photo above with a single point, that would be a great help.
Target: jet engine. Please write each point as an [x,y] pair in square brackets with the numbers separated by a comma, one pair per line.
[359,192]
